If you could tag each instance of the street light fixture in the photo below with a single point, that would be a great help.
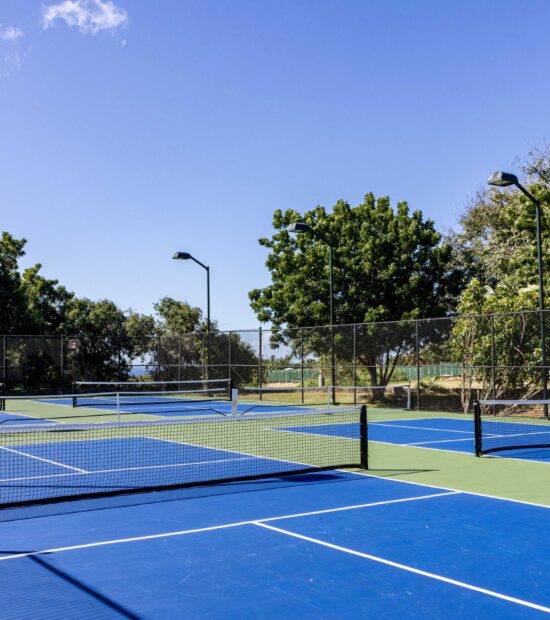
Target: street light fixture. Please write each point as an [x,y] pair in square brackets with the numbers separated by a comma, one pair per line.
[182,256]
[505,179]
[302,227]
[187,256]
[299,227]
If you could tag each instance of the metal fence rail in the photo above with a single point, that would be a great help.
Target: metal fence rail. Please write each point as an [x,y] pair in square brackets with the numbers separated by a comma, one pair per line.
[448,361]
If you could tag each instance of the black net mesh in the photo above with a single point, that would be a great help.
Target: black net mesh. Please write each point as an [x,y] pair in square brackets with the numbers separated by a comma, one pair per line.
[46,462]
[503,425]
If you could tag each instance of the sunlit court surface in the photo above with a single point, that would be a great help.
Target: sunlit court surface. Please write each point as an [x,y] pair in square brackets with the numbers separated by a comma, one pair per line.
[303,529]
[328,544]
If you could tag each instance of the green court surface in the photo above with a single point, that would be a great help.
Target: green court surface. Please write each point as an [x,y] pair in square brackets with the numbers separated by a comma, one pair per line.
[510,478]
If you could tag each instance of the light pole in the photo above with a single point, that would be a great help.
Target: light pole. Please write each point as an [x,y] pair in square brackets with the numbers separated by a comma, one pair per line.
[302,227]
[505,179]
[187,256]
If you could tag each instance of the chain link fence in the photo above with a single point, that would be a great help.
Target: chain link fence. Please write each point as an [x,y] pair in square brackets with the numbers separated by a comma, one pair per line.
[448,361]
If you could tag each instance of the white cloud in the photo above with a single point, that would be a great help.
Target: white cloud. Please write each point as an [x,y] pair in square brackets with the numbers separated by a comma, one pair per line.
[10,33]
[89,16]
[11,55]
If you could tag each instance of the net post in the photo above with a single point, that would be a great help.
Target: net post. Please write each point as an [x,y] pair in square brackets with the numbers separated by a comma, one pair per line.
[234,395]
[75,401]
[477,426]
[363,437]
[118,406]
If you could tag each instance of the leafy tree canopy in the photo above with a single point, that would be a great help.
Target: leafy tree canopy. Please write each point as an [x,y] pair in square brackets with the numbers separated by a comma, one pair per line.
[389,264]
[178,317]
[498,230]
[29,303]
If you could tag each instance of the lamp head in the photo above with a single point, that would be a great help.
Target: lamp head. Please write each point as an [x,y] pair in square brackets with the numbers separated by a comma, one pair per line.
[502,179]
[182,256]
[298,227]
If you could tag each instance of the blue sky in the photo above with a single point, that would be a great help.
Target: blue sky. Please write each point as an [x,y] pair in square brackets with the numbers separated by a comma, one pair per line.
[134,128]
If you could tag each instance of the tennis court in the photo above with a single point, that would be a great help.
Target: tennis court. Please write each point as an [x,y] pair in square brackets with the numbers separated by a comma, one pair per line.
[266,515]
[322,545]
[134,401]
[451,434]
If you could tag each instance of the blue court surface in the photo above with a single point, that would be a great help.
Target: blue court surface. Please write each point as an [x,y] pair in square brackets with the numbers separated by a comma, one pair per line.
[10,419]
[325,545]
[454,434]
[45,470]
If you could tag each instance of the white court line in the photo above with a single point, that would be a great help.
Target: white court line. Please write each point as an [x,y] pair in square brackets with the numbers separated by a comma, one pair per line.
[438,417]
[366,474]
[422,443]
[493,436]
[405,567]
[213,528]
[423,428]
[426,447]
[245,456]
[267,458]
[39,458]
[22,415]
[311,432]
[108,471]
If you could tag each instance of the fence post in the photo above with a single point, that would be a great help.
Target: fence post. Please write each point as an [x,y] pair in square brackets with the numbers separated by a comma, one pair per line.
[230,374]
[302,362]
[260,361]
[179,357]
[354,364]
[493,362]
[417,366]
[62,364]
[159,353]
[5,361]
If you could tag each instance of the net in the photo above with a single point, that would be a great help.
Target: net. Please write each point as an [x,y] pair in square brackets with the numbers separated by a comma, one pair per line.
[112,406]
[90,387]
[49,463]
[511,425]
[155,402]
[257,399]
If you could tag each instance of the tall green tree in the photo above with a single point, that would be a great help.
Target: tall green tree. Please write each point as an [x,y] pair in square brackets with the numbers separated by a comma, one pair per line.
[496,340]
[178,317]
[102,347]
[29,302]
[13,311]
[389,265]
[497,234]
